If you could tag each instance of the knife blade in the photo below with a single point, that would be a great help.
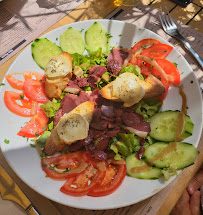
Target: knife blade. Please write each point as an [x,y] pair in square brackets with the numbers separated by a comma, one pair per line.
[9,190]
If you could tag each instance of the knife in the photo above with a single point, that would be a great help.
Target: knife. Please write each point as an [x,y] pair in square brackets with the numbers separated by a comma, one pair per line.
[9,190]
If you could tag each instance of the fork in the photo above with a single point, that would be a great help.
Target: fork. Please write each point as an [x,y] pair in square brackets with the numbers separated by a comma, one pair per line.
[170,28]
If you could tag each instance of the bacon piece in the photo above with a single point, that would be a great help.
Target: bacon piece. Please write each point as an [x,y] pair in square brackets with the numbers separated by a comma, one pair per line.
[82,82]
[101,125]
[107,111]
[96,153]
[92,80]
[98,71]
[102,142]
[96,97]
[68,103]
[131,119]
[83,97]
[114,66]
[117,58]
[96,115]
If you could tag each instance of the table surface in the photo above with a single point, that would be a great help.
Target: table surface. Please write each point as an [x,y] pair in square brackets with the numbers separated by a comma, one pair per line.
[192,16]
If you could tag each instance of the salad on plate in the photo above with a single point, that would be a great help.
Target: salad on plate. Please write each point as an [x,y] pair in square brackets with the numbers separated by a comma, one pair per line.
[96,111]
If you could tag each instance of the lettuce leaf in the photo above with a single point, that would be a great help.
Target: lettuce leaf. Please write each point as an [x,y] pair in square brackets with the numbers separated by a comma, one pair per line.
[43,138]
[86,62]
[132,69]
[124,145]
[127,144]
[148,107]
[51,107]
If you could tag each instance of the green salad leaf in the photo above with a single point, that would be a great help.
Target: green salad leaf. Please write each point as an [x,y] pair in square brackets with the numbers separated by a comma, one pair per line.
[168,172]
[132,69]
[43,138]
[127,144]
[51,107]
[148,107]
[86,62]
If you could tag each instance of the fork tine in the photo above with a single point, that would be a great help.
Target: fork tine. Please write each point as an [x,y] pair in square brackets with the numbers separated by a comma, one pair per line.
[163,20]
[170,20]
[163,25]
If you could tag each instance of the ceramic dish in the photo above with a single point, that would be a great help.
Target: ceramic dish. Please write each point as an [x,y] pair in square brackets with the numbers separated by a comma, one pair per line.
[25,160]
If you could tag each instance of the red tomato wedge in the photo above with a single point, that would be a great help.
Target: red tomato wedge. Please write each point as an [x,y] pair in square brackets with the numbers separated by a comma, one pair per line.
[84,182]
[66,165]
[10,99]
[34,90]
[170,69]
[37,76]
[144,43]
[35,126]
[157,51]
[15,83]
[115,174]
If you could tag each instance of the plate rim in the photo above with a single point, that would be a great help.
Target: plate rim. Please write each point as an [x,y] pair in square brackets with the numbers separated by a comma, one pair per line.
[66,26]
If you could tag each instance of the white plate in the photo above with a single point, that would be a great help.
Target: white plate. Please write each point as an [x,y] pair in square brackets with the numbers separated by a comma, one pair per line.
[24,159]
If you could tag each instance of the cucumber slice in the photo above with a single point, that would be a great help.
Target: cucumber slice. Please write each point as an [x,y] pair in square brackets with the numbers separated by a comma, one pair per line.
[97,37]
[176,154]
[164,126]
[71,41]
[43,50]
[139,169]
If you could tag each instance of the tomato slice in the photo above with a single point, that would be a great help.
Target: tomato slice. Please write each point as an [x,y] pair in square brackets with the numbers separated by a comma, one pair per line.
[66,165]
[29,74]
[10,99]
[84,182]
[18,84]
[15,83]
[35,126]
[170,69]
[34,90]
[157,51]
[115,174]
[144,43]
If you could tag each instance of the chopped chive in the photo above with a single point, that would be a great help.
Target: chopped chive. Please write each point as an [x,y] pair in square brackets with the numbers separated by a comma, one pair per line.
[22,96]
[6,141]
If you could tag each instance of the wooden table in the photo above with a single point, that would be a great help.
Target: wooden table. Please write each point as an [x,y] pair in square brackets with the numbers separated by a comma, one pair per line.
[95,9]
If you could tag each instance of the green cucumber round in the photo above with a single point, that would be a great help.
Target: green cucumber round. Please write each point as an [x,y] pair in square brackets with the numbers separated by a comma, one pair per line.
[164,126]
[148,172]
[179,156]
[97,37]
[71,41]
[43,50]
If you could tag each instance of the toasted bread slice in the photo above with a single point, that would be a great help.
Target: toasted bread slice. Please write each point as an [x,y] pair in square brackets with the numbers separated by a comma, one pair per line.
[53,143]
[58,73]
[152,87]
[72,127]
[54,87]
[78,72]
[125,88]
[130,90]
[66,133]
[59,66]
[85,109]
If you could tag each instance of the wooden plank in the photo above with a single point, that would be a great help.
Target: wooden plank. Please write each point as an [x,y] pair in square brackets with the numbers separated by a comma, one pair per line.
[196,23]
[198,2]
[184,14]
[158,4]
